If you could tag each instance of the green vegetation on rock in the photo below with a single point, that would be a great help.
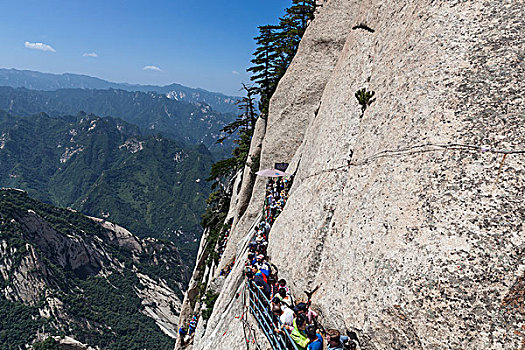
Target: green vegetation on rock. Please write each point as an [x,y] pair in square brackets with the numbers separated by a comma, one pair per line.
[84,277]
[49,344]
[18,324]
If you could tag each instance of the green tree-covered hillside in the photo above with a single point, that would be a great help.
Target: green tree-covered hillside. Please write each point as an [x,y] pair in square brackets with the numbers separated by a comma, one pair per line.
[103,167]
[187,123]
[64,274]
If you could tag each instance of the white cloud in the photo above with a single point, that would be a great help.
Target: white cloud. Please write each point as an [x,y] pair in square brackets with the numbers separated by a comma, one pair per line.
[39,46]
[90,54]
[235,72]
[155,68]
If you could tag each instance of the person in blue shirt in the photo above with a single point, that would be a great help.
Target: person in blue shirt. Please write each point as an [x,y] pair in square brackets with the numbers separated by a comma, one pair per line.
[192,326]
[259,281]
[316,340]
[182,335]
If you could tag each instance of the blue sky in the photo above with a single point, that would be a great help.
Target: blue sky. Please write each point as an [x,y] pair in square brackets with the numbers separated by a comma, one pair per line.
[198,43]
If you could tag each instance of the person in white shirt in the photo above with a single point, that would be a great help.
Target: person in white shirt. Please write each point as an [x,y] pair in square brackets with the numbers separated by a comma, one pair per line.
[286,317]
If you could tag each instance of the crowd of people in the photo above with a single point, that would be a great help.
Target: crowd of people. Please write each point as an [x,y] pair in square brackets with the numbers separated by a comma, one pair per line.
[288,315]
[291,316]
[186,335]
[276,197]
[222,244]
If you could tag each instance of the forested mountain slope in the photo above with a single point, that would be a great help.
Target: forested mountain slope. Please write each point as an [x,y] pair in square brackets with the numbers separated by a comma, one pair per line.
[190,123]
[64,274]
[104,167]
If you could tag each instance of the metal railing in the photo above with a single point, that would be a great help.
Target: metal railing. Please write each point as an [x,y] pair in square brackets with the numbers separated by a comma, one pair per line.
[261,310]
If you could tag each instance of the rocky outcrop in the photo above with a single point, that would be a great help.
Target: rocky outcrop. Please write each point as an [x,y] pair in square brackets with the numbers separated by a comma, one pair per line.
[232,325]
[27,274]
[67,251]
[68,343]
[407,215]
[276,139]
[58,265]
[160,303]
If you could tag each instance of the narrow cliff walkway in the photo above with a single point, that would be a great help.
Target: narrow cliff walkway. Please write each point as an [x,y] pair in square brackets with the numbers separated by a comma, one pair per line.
[259,308]
[286,322]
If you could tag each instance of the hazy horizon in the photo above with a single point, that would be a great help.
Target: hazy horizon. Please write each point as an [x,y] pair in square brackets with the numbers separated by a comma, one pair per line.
[200,44]
[118,82]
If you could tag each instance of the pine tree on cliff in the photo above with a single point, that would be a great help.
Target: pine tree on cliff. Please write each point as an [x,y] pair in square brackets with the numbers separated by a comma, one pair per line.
[223,171]
[293,25]
[244,126]
[277,46]
[265,64]
[246,120]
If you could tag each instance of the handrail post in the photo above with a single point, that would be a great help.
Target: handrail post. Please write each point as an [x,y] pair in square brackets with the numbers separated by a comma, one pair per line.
[259,307]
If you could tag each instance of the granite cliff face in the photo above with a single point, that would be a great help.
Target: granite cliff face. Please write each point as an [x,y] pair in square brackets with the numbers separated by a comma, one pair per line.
[408,216]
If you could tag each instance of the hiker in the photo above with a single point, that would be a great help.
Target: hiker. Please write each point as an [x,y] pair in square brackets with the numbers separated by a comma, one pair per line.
[316,340]
[282,284]
[284,296]
[262,265]
[251,259]
[258,240]
[285,317]
[192,326]
[259,243]
[259,282]
[252,246]
[298,334]
[257,273]
[182,335]
[335,340]
[275,290]
[267,227]
[303,309]
[270,199]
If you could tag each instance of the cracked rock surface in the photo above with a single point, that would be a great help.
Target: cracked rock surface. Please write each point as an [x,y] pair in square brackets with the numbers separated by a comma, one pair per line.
[413,233]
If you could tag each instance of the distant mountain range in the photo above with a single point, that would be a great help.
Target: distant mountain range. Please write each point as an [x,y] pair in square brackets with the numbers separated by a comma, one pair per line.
[64,274]
[187,123]
[139,159]
[104,167]
[50,82]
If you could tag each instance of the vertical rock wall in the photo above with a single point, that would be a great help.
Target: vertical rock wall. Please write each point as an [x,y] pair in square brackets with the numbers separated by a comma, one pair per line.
[300,91]
[412,232]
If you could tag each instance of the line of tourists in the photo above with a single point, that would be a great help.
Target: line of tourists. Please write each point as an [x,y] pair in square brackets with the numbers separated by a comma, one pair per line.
[276,197]
[222,244]
[289,315]
[186,336]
